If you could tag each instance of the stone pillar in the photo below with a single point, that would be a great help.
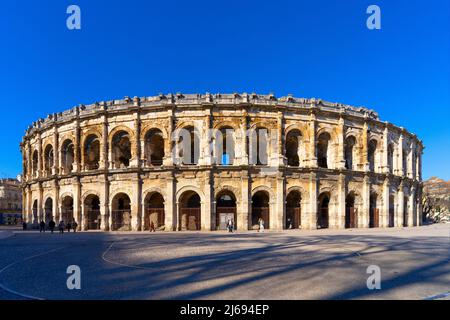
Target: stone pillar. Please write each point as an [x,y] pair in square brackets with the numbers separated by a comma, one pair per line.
[170,208]
[56,210]
[244,218]
[280,211]
[168,145]
[56,153]
[78,149]
[400,170]
[244,157]
[136,201]
[311,216]
[385,161]
[40,170]
[278,157]
[409,163]
[312,142]
[399,213]
[411,207]
[384,219]
[340,206]
[104,156]
[363,219]
[104,206]
[340,159]
[135,144]
[206,204]
[41,211]
[78,208]
[364,160]
[419,205]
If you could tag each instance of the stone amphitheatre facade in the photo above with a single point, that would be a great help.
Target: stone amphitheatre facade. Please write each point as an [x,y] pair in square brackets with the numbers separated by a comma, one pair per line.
[295,163]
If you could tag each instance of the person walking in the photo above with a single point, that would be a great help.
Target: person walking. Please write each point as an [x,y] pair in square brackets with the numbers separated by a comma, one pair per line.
[68,226]
[152,227]
[42,226]
[230,225]
[261,225]
[61,227]
[51,225]
[24,226]
[74,226]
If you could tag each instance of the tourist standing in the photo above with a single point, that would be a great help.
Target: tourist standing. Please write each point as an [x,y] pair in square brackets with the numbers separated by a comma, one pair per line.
[24,226]
[42,226]
[61,227]
[261,225]
[68,227]
[230,225]
[74,226]
[51,225]
[152,227]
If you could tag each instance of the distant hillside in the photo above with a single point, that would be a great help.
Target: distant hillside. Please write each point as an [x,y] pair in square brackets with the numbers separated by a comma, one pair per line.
[436,199]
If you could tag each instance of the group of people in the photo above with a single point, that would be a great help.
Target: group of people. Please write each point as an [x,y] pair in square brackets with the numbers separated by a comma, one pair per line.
[61,226]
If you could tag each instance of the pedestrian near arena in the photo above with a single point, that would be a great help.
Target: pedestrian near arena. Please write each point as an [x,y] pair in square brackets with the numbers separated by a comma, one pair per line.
[74,226]
[61,227]
[42,226]
[68,226]
[51,225]
[152,227]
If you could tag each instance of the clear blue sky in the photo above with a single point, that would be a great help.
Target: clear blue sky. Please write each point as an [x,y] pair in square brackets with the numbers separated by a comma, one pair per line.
[308,48]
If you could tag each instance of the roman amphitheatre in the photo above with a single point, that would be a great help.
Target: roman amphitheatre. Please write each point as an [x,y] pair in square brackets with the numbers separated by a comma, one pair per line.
[195,161]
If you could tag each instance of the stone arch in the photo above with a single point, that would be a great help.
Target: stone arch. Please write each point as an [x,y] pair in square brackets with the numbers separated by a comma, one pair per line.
[190,188]
[121,212]
[293,209]
[226,203]
[48,209]
[374,214]
[91,204]
[119,128]
[350,151]
[147,128]
[353,206]
[154,210]
[66,205]
[67,155]
[294,148]
[91,146]
[229,188]
[323,210]
[223,142]
[261,208]
[295,126]
[154,147]
[121,143]
[325,148]
[187,142]
[49,159]
[190,207]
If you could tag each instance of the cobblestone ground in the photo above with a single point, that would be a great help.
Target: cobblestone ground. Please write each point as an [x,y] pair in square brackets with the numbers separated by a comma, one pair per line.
[293,264]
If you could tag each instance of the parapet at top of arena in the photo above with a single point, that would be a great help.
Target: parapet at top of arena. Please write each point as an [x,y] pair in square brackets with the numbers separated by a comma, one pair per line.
[179,99]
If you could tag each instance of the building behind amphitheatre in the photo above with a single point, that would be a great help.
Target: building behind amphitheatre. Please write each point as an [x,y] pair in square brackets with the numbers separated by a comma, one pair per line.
[194,161]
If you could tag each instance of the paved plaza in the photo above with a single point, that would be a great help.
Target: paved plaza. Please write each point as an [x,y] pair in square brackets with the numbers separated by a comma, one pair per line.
[292,264]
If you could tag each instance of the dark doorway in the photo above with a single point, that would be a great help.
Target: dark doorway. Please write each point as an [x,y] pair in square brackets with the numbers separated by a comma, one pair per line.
[374,214]
[190,212]
[293,210]
[351,216]
[225,210]
[322,214]
[260,209]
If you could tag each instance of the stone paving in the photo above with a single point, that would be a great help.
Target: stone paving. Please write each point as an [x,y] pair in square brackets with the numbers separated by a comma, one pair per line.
[293,264]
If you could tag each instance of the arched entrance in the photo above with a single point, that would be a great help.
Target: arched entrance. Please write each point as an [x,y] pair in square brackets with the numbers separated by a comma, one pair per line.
[121,213]
[225,210]
[322,212]
[190,211]
[154,211]
[293,210]
[374,214]
[351,213]
[48,210]
[260,209]
[92,212]
[67,209]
